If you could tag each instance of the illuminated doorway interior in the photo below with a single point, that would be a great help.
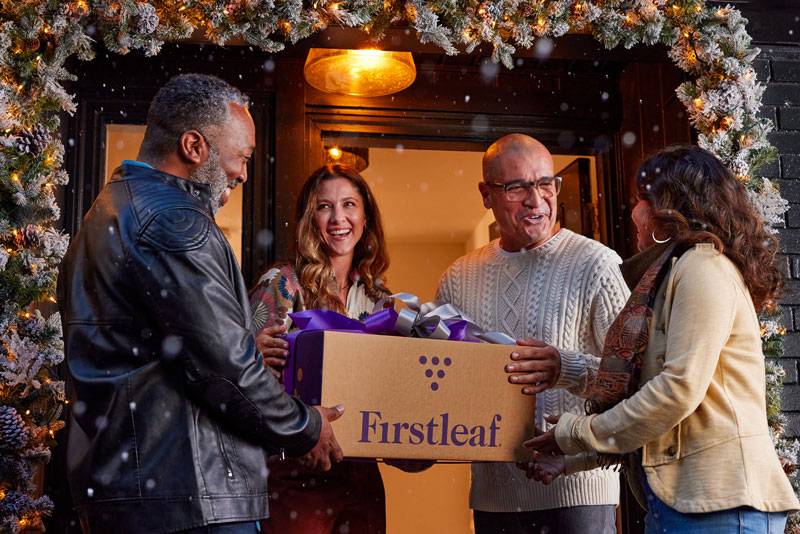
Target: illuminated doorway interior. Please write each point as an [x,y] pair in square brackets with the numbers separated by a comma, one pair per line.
[433,214]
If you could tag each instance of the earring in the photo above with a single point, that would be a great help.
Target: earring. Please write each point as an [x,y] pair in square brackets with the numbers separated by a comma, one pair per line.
[659,241]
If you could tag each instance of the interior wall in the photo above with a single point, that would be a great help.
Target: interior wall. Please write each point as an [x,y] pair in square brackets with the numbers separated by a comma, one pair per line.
[480,235]
[417,267]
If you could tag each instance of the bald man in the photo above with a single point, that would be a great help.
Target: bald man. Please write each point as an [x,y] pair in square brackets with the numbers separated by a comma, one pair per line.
[539,282]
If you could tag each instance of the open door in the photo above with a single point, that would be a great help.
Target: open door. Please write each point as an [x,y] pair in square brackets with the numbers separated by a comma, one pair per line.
[576,209]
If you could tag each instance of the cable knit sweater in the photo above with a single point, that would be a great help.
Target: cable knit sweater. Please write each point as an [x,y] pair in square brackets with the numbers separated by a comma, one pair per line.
[565,292]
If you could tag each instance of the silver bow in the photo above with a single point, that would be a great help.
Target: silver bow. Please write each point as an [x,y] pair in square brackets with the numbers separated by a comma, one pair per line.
[428,320]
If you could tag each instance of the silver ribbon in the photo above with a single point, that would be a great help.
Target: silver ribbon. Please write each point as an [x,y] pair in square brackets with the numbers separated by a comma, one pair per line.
[428,320]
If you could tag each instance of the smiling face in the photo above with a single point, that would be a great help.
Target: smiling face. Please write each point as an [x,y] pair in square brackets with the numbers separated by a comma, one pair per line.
[231,146]
[527,223]
[339,216]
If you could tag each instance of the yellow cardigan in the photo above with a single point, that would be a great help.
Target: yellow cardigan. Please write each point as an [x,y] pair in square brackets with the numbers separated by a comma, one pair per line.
[700,413]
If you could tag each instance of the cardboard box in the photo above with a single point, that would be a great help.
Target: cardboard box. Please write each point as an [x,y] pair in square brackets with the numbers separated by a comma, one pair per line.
[416,398]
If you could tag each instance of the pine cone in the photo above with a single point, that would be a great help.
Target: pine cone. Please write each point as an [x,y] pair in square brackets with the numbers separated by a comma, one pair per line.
[148,18]
[15,503]
[30,236]
[13,434]
[34,141]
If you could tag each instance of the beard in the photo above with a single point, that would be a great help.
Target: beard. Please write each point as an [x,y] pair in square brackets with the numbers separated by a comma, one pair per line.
[212,174]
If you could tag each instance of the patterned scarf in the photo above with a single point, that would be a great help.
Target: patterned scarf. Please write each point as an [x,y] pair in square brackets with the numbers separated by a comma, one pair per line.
[626,341]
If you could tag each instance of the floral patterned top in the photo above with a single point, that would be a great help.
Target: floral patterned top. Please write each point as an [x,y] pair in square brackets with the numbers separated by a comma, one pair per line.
[278,292]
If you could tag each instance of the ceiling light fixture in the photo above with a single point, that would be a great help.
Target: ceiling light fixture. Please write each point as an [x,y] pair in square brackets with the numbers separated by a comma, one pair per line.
[354,157]
[366,73]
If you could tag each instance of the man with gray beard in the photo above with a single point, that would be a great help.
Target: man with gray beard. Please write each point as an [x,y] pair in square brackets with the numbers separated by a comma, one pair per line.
[173,410]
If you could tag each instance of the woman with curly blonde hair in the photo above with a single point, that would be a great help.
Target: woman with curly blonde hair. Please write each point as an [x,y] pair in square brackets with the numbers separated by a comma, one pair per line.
[340,263]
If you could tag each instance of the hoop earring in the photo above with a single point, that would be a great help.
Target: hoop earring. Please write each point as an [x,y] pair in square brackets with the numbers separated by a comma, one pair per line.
[659,241]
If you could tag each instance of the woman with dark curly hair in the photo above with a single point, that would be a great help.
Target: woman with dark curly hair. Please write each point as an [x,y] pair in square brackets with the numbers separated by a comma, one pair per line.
[340,263]
[680,387]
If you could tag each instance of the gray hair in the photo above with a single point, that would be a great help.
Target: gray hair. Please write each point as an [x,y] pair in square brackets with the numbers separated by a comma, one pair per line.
[186,102]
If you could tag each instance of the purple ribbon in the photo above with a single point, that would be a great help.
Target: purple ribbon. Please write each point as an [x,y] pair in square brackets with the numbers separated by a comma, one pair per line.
[379,323]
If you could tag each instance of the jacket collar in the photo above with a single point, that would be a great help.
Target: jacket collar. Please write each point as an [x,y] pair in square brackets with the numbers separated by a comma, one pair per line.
[134,171]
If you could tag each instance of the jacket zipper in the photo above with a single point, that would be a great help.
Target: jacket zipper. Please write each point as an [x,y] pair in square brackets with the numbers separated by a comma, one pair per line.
[224,452]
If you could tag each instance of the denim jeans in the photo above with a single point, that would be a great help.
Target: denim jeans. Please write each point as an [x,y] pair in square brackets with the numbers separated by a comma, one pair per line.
[662,519]
[244,527]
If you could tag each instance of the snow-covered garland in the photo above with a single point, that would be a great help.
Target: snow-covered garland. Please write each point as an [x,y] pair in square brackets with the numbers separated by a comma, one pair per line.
[38,36]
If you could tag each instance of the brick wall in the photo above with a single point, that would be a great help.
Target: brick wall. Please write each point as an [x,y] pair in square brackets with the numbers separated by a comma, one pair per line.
[779,66]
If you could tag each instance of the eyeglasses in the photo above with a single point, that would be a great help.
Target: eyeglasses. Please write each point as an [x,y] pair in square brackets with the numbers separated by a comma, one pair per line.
[519,190]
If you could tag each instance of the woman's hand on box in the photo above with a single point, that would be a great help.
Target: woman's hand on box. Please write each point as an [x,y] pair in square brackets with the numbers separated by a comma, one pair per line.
[273,349]
[544,443]
[545,469]
[536,366]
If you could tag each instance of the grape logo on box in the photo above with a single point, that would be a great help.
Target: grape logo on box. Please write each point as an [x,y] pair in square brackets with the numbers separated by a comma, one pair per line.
[433,369]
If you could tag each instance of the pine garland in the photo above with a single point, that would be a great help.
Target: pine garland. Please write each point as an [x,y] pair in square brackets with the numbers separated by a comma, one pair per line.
[38,36]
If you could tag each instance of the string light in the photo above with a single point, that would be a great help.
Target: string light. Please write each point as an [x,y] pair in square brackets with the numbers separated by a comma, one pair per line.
[698,103]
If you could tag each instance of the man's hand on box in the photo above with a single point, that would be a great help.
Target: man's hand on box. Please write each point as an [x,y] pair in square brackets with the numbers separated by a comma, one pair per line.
[327,451]
[536,366]
[273,349]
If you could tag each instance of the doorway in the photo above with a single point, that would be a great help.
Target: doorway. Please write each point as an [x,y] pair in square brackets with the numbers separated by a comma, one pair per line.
[433,214]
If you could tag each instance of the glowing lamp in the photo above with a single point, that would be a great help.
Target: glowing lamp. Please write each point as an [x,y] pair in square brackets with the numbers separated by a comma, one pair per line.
[353,157]
[359,72]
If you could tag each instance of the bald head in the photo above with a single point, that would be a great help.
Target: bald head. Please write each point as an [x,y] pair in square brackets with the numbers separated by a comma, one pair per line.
[518,146]
[523,222]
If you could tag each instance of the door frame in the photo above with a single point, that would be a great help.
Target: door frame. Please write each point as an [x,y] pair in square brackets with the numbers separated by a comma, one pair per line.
[370,128]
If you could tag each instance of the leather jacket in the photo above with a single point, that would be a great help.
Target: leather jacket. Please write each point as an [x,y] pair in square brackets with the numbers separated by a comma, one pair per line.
[172,409]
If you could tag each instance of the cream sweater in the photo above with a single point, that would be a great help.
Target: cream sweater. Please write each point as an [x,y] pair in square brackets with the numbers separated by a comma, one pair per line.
[700,414]
[567,293]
